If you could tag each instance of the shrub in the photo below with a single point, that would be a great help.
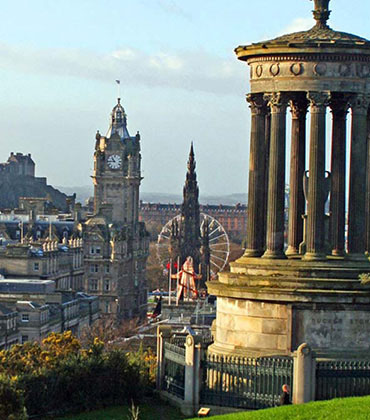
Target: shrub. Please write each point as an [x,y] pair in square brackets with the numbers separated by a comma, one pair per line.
[11,400]
[60,376]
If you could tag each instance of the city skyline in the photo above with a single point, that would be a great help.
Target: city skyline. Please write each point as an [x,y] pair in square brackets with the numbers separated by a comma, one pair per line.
[180,82]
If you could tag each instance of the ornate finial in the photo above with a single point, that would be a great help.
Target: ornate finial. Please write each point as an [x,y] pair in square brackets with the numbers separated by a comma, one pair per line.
[118,101]
[321,13]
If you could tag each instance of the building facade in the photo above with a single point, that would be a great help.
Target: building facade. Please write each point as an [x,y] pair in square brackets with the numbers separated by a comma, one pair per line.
[31,309]
[116,244]
[59,262]
[232,218]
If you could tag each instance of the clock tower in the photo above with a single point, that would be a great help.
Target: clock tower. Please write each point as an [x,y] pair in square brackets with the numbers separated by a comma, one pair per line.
[117,175]
[116,244]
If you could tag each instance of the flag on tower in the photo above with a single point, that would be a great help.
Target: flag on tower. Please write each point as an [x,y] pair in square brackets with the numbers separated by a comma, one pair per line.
[118,82]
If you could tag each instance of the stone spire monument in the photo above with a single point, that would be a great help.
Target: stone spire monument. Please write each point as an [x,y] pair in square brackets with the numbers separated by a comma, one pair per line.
[187,239]
[297,281]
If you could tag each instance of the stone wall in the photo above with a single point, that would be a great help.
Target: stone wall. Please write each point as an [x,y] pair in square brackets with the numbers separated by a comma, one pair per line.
[256,325]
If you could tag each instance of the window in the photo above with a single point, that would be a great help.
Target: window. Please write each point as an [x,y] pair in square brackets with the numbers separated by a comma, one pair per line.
[107,307]
[36,266]
[94,268]
[25,317]
[24,338]
[95,250]
[107,268]
[106,285]
[94,284]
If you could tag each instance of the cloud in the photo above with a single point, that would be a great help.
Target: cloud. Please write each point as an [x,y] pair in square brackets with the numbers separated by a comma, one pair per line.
[172,7]
[168,6]
[297,25]
[189,70]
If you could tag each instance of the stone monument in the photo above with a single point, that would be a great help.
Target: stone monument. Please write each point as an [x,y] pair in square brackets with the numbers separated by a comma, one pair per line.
[279,294]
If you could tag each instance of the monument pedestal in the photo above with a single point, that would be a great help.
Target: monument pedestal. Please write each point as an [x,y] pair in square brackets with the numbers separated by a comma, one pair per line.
[267,307]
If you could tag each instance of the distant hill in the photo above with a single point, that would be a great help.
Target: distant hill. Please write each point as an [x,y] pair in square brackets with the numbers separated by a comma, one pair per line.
[84,192]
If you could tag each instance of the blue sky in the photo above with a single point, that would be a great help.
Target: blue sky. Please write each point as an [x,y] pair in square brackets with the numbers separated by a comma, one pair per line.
[179,77]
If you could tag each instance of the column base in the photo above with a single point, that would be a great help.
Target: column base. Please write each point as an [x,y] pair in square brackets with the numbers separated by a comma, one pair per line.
[314,256]
[274,255]
[252,253]
[292,251]
[337,253]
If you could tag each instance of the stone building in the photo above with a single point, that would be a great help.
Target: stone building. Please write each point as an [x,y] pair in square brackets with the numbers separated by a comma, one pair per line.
[17,179]
[31,309]
[232,218]
[275,298]
[18,164]
[116,244]
[60,262]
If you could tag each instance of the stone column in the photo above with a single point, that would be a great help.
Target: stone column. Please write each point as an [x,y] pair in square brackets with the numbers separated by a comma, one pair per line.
[255,229]
[276,187]
[192,378]
[339,107]
[357,178]
[266,171]
[316,181]
[368,188]
[304,375]
[297,167]
[163,332]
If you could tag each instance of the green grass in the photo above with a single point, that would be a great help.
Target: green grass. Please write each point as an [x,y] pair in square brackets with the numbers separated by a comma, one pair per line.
[357,408]
[153,410]
[339,409]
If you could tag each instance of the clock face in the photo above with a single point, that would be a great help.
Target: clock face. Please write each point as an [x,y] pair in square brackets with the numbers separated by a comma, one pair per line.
[114,161]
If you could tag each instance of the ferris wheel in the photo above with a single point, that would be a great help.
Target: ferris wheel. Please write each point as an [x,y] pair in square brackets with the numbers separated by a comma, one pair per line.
[218,242]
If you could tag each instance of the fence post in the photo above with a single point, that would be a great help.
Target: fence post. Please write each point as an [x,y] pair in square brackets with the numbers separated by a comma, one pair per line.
[192,375]
[304,374]
[163,332]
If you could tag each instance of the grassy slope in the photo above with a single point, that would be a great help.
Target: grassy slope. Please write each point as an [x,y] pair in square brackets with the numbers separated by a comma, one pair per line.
[338,409]
[152,411]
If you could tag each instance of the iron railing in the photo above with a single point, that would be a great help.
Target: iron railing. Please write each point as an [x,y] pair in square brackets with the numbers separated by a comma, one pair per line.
[249,383]
[174,370]
[342,378]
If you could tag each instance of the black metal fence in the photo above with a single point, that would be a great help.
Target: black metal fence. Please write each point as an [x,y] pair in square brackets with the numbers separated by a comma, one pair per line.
[245,382]
[174,370]
[342,378]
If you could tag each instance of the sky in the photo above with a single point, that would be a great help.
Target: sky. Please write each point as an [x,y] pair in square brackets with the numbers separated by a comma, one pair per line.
[180,81]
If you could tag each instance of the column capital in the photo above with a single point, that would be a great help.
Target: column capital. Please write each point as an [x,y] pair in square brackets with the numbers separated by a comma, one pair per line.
[318,100]
[298,107]
[257,103]
[360,103]
[277,101]
[339,105]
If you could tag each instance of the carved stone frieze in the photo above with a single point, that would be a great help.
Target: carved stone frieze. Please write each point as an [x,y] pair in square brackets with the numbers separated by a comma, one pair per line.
[320,69]
[310,69]
[296,69]
[275,69]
